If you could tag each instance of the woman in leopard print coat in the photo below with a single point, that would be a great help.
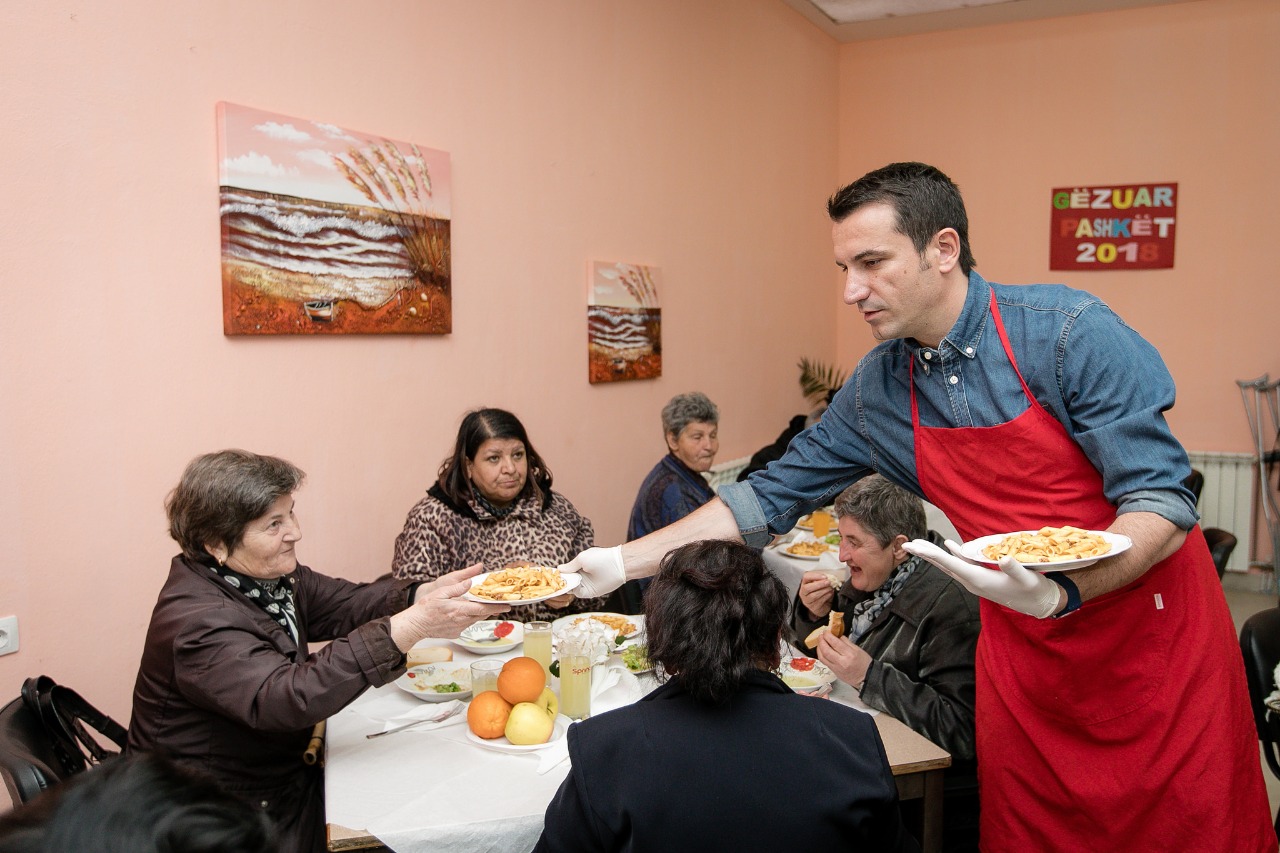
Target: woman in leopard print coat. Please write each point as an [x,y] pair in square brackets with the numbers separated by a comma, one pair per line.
[493,504]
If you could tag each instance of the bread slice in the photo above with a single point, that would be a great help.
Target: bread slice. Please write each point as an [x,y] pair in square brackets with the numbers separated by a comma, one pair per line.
[431,654]
[835,624]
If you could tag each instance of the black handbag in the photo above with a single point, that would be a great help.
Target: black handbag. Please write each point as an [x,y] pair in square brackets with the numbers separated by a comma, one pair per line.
[64,716]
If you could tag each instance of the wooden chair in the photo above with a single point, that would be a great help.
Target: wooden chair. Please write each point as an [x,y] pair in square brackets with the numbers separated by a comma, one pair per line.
[1260,645]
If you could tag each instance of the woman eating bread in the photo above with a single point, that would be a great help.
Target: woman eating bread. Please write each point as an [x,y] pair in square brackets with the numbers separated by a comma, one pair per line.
[909,630]
[227,683]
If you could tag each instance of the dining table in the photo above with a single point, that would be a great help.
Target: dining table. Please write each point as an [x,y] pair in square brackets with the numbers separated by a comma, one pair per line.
[436,787]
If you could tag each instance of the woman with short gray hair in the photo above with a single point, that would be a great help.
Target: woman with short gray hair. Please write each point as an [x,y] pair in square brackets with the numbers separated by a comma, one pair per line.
[675,487]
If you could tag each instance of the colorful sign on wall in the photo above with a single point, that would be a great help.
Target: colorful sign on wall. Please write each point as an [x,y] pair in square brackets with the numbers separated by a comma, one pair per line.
[1128,227]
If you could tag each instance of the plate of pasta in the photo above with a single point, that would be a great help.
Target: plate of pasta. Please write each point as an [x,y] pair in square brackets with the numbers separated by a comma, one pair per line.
[521,585]
[1049,549]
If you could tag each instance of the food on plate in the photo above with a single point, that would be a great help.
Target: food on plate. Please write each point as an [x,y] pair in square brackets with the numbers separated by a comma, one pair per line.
[522,680]
[802,664]
[807,548]
[433,654]
[636,658]
[530,723]
[835,624]
[451,687]
[621,625]
[801,681]
[487,715]
[1049,545]
[489,632]
[519,583]
[832,539]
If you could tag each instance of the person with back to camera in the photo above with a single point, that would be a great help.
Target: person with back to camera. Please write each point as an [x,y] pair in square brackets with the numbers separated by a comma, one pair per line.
[140,803]
[492,503]
[675,487]
[688,767]
[227,683]
[1112,710]
[910,633]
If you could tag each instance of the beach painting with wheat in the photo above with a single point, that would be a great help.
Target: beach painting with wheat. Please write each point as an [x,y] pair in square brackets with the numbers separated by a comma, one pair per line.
[624,322]
[330,231]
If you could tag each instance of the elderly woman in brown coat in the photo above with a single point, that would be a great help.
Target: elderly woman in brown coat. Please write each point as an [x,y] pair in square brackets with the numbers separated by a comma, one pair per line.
[227,682]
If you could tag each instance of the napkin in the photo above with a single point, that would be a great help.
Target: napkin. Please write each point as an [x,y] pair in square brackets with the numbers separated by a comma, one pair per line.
[396,713]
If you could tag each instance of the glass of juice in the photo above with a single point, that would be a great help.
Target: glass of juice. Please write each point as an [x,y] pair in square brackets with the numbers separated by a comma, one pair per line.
[821,524]
[575,679]
[537,644]
[484,675]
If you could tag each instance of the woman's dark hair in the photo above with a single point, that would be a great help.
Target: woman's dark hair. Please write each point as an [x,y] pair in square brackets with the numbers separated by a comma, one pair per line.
[713,613]
[220,493]
[140,803]
[924,199]
[478,427]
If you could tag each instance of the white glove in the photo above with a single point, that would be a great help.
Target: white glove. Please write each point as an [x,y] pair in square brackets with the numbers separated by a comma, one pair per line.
[601,571]
[1014,586]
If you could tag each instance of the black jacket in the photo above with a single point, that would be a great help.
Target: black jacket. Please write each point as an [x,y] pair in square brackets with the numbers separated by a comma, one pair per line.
[923,644]
[671,773]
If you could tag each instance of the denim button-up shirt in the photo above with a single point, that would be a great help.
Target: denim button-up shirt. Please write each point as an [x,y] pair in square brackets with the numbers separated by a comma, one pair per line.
[1099,378]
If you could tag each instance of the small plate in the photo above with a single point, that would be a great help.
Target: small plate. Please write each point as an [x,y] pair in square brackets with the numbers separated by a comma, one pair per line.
[503,644]
[637,623]
[972,550]
[812,680]
[570,583]
[419,680]
[501,744]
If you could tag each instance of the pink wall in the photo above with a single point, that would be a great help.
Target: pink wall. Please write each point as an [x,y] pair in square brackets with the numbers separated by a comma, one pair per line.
[698,137]
[1185,92]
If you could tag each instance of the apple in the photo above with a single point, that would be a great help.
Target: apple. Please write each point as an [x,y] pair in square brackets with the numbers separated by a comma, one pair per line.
[529,724]
[548,701]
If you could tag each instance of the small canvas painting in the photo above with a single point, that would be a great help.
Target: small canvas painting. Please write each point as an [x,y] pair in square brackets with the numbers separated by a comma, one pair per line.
[330,231]
[624,323]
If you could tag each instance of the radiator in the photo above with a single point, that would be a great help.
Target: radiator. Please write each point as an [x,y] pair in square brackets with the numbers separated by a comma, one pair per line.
[1227,499]
[725,472]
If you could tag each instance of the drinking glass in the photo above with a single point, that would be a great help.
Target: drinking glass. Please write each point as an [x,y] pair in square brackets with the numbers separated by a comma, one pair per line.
[537,644]
[575,679]
[484,676]
[821,524]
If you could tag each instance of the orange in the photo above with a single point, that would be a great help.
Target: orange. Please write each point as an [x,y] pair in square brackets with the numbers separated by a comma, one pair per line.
[521,680]
[487,714]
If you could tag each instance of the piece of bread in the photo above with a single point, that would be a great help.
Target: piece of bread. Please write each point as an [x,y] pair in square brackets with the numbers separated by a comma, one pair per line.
[431,654]
[835,624]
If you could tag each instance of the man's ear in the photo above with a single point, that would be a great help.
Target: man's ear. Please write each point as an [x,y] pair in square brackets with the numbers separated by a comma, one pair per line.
[946,243]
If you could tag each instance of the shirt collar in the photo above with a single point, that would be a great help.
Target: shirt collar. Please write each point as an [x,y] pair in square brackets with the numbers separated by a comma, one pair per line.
[966,334]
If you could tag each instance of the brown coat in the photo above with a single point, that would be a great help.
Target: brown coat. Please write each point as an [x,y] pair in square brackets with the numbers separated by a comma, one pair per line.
[223,688]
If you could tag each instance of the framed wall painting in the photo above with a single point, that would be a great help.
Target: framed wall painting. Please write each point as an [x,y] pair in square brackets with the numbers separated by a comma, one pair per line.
[624,322]
[327,230]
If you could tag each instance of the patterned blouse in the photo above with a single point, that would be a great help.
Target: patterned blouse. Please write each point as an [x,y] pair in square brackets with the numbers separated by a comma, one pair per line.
[439,536]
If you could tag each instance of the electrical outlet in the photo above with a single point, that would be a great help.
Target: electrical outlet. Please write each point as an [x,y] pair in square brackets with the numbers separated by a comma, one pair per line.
[8,635]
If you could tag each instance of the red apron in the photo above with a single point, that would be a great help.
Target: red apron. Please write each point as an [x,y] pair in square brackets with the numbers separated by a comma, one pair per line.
[1123,726]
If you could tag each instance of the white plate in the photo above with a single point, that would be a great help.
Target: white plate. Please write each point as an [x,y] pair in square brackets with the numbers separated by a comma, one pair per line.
[806,681]
[637,671]
[972,550]
[787,553]
[558,626]
[417,681]
[570,583]
[501,744]
[504,644]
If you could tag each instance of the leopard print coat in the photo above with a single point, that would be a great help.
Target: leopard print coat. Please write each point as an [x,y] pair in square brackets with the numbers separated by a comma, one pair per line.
[439,536]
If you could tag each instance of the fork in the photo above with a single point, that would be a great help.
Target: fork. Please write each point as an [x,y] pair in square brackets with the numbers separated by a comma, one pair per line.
[437,719]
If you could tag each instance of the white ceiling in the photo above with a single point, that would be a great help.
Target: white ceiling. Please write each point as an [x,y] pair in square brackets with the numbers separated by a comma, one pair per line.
[888,18]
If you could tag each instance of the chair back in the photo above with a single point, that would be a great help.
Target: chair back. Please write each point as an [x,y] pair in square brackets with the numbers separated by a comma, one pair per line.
[1221,544]
[27,760]
[1195,482]
[1260,644]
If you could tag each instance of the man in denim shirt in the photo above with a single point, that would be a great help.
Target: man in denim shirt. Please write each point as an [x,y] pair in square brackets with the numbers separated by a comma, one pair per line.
[1123,726]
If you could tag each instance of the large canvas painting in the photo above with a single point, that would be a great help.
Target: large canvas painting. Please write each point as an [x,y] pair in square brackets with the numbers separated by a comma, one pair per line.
[330,231]
[624,322]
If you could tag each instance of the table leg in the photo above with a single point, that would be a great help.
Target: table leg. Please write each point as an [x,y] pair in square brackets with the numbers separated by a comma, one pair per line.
[931,831]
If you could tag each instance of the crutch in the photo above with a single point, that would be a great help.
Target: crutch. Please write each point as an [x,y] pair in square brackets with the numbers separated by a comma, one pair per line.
[1254,392]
